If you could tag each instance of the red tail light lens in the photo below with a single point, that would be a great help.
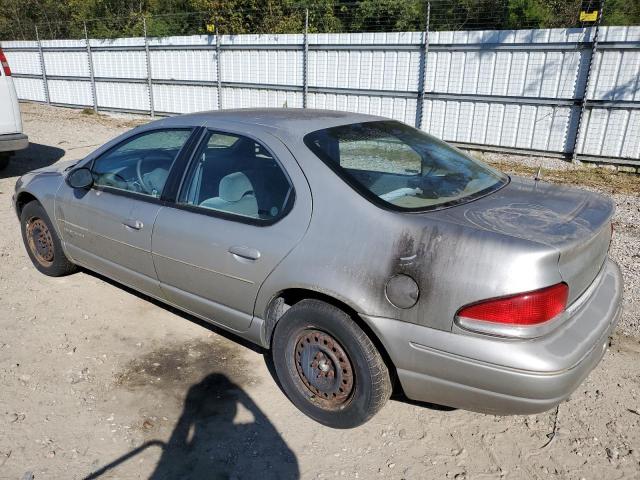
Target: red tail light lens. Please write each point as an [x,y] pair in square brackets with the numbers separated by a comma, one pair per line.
[5,64]
[529,308]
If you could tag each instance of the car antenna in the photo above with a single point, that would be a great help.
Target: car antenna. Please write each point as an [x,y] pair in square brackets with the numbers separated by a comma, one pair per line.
[538,174]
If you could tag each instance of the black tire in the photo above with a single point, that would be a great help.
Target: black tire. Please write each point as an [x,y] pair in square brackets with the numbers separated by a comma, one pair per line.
[4,160]
[42,242]
[313,332]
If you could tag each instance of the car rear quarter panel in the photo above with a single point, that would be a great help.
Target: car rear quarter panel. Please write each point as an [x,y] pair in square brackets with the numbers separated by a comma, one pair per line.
[352,248]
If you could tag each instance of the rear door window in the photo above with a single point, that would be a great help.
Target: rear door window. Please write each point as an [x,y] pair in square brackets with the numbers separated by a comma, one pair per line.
[235,175]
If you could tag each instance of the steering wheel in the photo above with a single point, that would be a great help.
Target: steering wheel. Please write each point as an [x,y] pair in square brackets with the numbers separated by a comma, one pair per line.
[151,156]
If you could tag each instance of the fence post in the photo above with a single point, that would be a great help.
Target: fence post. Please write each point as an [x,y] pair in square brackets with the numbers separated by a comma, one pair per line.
[218,64]
[91,74]
[43,69]
[424,51]
[305,60]
[152,110]
[581,129]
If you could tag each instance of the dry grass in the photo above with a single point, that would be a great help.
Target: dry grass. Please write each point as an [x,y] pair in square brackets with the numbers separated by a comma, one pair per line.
[602,179]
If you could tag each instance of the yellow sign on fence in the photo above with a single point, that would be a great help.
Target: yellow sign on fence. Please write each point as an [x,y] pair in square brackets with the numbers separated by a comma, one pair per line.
[588,16]
[211,28]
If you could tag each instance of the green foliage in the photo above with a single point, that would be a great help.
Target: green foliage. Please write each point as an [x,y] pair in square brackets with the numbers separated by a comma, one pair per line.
[622,12]
[118,18]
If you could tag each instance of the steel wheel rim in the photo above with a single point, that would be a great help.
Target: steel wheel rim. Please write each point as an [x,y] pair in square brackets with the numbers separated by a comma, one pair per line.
[40,241]
[324,369]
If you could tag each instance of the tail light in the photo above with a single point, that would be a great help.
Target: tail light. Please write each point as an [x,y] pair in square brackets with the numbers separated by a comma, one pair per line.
[5,64]
[521,310]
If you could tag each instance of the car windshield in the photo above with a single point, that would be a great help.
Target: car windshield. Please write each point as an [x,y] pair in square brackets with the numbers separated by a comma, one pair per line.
[399,166]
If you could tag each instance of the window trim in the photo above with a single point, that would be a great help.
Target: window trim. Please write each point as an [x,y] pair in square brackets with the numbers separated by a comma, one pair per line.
[373,198]
[184,150]
[259,222]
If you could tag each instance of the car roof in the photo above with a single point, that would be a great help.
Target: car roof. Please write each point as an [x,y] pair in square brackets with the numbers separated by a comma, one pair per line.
[296,121]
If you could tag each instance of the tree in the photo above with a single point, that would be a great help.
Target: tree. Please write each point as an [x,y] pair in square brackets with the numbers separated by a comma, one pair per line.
[114,18]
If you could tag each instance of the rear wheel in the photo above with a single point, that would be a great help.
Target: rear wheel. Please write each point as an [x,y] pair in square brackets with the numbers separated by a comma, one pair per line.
[328,366]
[42,242]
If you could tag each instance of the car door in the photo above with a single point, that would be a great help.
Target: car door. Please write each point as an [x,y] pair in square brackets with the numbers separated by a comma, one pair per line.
[108,227]
[243,205]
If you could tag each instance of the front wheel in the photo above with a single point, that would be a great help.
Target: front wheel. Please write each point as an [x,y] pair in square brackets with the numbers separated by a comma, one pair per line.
[42,242]
[328,366]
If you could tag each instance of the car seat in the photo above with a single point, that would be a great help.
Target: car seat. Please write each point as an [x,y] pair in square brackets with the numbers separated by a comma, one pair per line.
[236,195]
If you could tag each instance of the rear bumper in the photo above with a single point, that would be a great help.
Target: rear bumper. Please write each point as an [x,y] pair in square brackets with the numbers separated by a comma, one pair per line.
[13,142]
[504,376]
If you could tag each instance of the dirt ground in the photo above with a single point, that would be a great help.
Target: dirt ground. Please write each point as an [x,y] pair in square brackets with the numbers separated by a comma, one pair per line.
[99,382]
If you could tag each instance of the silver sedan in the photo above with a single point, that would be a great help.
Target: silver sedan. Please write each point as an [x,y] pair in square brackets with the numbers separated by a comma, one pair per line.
[365,254]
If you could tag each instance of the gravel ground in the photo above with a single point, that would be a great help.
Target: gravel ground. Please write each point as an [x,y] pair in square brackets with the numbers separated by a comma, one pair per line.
[95,378]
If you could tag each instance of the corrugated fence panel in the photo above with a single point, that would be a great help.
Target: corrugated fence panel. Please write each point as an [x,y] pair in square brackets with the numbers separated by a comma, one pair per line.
[518,72]
[373,70]
[119,64]
[364,69]
[66,63]
[517,89]
[183,65]
[128,96]
[184,99]
[631,146]
[530,127]
[613,131]
[260,98]
[70,92]
[30,89]
[403,109]
[24,62]
[276,67]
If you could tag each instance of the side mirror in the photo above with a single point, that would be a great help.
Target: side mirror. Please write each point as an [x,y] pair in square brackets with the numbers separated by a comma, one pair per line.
[80,178]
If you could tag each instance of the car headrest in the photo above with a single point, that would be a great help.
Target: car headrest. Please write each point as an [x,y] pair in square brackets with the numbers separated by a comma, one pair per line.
[235,186]
[156,179]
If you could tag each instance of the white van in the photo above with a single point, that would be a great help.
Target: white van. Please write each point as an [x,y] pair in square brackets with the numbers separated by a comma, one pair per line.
[11,136]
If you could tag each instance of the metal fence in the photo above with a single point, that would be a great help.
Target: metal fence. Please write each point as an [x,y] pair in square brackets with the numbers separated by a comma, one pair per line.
[570,92]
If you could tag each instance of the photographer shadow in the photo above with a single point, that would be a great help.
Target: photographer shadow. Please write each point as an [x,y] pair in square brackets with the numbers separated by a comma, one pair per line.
[207,444]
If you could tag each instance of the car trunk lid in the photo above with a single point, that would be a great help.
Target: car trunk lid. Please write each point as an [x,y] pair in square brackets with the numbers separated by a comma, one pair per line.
[575,222]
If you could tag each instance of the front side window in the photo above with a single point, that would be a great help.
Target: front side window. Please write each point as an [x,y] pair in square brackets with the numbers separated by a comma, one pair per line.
[399,166]
[233,174]
[141,164]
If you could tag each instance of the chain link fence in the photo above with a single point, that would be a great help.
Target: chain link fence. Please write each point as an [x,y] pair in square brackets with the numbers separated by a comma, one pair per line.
[478,73]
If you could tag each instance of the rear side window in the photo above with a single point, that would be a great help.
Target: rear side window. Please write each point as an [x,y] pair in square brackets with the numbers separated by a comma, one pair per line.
[142,163]
[397,166]
[235,175]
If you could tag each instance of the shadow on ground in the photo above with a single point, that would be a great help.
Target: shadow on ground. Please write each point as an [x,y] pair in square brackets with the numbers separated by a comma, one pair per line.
[207,443]
[33,157]
[398,394]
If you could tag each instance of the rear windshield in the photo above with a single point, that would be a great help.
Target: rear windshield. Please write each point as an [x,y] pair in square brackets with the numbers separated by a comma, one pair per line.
[398,166]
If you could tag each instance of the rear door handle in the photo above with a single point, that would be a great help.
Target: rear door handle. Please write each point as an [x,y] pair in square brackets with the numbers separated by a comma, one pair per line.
[244,252]
[133,224]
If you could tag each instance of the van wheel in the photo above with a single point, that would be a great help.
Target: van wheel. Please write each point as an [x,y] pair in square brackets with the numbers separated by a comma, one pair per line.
[42,242]
[4,160]
[328,366]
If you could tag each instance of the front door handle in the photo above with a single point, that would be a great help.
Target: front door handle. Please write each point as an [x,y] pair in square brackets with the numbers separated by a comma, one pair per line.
[245,252]
[133,224]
